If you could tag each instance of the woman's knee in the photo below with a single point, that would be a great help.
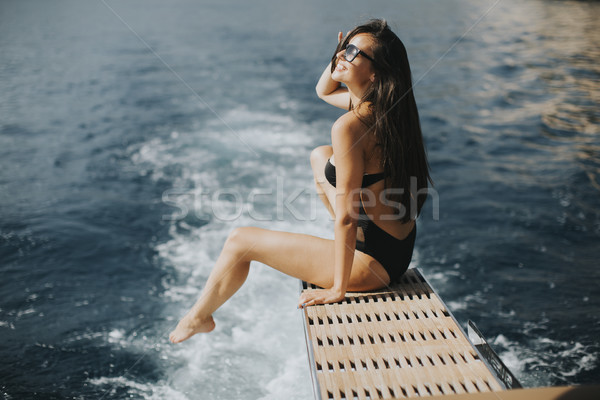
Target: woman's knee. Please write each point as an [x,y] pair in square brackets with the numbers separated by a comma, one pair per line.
[320,154]
[238,240]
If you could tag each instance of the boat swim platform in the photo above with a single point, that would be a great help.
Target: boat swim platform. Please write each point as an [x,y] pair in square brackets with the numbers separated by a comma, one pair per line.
[398,342]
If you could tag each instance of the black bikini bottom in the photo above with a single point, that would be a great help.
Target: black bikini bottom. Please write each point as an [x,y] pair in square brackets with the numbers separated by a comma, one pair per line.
[394,254]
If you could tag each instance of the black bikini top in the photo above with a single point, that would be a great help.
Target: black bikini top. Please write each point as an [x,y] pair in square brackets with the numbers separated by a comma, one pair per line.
[368,179]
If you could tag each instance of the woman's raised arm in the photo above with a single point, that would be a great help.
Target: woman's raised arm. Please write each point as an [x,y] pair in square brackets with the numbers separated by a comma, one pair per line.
[331,91]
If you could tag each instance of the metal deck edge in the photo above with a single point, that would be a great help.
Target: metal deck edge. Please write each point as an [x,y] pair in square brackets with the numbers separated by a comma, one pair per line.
[309,348]
[498,366]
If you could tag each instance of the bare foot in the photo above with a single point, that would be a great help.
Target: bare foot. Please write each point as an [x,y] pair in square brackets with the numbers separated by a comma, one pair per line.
[189,326]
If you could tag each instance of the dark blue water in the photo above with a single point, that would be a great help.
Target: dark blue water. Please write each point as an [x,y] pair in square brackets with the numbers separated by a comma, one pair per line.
[135,135]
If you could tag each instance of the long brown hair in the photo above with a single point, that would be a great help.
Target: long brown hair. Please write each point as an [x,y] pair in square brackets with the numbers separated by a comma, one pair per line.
[394,118]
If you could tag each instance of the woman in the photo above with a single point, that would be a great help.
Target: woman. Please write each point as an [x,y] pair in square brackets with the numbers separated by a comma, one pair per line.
[364,179]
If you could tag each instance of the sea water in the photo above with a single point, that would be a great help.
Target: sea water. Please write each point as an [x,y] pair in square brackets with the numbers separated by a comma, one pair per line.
[135,135]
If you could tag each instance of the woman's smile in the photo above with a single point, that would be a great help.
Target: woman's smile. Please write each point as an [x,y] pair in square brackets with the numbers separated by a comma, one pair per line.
[340,67]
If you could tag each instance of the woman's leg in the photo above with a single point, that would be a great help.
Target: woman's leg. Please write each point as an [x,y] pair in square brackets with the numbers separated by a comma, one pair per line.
[318,160]
[302,256]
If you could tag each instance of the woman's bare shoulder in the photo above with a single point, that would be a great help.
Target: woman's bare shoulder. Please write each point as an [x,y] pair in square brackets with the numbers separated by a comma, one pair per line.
[349,122]
[351,126]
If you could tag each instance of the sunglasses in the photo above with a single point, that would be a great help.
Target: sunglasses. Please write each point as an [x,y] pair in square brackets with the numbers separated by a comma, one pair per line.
[352,51]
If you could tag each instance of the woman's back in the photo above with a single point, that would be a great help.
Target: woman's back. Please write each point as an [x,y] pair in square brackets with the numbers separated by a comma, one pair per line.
[384,212]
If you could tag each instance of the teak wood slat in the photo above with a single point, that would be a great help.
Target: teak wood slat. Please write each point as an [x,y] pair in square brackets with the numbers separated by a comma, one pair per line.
[396,342]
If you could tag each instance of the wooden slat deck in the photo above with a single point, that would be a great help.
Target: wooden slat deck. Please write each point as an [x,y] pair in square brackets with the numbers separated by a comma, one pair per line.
[393,343]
